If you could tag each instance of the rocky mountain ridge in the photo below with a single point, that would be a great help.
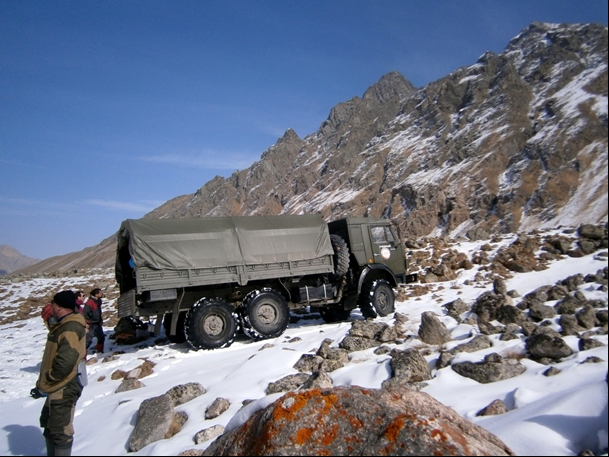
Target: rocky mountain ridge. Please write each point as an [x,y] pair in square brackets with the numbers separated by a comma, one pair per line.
[515,142]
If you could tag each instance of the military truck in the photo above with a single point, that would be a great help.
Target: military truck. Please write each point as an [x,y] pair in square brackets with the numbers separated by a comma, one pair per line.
[207,278]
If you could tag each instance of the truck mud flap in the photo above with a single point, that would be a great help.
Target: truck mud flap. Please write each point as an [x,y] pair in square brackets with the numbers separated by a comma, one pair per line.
[126,304]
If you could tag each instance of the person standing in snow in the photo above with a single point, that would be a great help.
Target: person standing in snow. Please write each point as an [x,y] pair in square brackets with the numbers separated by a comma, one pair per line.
[93,317]
[59,380]
[80,301]
[47,311]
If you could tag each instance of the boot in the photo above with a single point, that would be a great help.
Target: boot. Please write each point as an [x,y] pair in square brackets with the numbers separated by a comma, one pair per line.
[100,347]
[50,447]
[63,450]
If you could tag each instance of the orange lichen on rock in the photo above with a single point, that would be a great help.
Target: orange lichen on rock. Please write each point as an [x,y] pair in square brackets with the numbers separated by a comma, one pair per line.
[394,428]
[330,436]
[438,435]
[303,435]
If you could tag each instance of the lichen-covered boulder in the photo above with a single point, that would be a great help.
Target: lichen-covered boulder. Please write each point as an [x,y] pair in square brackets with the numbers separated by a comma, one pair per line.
[355,421]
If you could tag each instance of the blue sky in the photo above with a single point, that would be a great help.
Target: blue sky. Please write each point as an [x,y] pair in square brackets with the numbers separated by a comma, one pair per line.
[110,108]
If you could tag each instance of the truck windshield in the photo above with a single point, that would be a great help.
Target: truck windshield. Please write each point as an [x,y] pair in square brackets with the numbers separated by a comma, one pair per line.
[382,235]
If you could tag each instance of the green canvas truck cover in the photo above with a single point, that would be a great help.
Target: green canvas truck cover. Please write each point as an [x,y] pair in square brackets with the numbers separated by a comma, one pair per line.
[223,241]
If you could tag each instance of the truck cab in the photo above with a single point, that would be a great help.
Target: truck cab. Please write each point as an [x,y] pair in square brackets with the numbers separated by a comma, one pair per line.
[377,264]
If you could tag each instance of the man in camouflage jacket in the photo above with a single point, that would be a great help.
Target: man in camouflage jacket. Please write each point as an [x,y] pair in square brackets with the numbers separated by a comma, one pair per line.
[59,381]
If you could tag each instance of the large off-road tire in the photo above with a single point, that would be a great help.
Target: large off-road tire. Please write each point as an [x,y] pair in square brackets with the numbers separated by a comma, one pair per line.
[179,337]
[210,324]
[377,298]
[331,315]
[264,314]
[341,255]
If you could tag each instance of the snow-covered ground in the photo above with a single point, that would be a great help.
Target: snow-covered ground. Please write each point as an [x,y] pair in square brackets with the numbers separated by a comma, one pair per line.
[556,415]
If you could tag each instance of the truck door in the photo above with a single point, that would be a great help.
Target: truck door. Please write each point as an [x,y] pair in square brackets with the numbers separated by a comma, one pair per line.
[386,249]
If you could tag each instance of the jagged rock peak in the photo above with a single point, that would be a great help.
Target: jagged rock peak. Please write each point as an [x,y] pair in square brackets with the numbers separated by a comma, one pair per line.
[571,37]
[289,135]
[388,87]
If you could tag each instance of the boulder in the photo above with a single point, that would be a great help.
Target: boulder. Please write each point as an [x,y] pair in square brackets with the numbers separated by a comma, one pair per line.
[477,343]
[547,343]
[289,382]
[567,305]
[487,304]
[209,434]
[432,331]
[218,407]
[352,420]
[539,312]
[508,314]
[129,384]
[318,380]
[586,317]
[499,286]
[588,343]
[493,368]
[569,325]
[409,365]
[185,392]
[494,408]
[367,329]
[354,344]
[154,420]
[308,363]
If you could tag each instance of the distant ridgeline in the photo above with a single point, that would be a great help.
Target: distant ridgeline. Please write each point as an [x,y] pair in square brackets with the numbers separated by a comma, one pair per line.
[12,260]
[514,142]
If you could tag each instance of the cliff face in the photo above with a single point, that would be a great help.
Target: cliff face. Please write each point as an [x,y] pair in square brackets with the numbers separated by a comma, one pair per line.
[516,141]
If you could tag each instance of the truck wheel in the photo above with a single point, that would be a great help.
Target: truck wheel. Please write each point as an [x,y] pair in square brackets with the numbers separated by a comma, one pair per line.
[210,324]
[376,298]
[331,315]
[179,337]
[264,314]
[341,255]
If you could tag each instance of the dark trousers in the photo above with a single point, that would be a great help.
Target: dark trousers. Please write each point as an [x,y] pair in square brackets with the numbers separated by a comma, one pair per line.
[57,415]
[95,330]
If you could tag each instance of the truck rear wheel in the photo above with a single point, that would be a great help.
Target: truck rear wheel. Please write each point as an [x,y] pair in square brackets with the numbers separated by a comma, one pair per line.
[210,324]
[264,314]
[179,337]
[376,298]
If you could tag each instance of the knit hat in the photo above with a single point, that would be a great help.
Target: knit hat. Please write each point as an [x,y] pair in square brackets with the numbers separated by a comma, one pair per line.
[65,299]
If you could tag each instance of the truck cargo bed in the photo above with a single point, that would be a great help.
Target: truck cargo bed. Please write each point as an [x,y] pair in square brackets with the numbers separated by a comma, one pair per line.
[170,253]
